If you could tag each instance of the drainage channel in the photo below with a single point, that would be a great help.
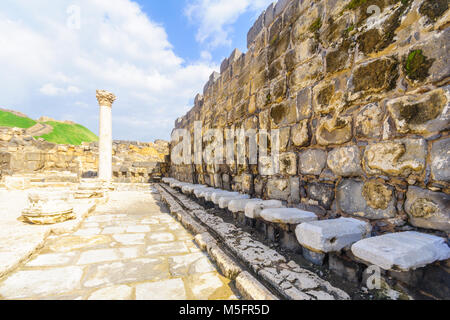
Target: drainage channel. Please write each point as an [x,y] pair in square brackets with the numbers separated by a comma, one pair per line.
[225,248]
[355,292]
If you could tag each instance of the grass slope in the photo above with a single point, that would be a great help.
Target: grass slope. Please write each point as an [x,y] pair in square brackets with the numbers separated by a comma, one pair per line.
[7,119]
[73,134]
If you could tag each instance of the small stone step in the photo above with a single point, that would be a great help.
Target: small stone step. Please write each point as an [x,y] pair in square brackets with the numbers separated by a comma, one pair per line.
[238,205]
[332,235]
[288,216]
[253,209]
[402,251]
[225,200]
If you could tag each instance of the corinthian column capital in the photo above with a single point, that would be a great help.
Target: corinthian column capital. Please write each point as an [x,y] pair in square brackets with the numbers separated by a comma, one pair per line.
[105,98]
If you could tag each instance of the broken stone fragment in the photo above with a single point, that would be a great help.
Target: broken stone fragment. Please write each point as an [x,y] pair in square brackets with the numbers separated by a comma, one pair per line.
[428,209]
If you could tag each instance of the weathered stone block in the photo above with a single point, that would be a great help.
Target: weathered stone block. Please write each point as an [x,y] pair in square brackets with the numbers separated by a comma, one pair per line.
[374,76]
[421,114]
[300,134]
[332,131]
[396,158]
[369,121]
[278,189]
[304,104]
[428,209]
[288,163]
[345,162]
[370,200]
[312,161]
[321,192]
[440,160]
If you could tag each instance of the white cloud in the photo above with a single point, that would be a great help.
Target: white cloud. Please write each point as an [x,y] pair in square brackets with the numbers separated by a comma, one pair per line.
[50,67]
[50,89]
[215,17]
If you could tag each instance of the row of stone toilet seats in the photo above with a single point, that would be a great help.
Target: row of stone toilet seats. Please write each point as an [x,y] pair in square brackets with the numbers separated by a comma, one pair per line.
[402,251]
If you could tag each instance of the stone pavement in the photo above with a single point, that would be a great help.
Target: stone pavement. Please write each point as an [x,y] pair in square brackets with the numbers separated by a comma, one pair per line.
[130,248]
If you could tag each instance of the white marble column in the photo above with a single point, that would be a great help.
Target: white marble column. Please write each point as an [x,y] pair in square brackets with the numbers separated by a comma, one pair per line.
[105,100]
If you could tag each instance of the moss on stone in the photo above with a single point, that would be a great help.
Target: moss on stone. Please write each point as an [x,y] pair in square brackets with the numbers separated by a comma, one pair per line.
[355,4]
[433,9]
[316,25]
[416,65]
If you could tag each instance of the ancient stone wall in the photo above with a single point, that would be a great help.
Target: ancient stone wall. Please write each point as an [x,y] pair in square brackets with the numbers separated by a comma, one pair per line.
[361,100]
[132,161]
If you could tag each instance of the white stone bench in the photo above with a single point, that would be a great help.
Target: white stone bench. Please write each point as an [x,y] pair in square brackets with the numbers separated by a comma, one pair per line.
[167,180]
[225,200]
[253,209]
[402,251]
[332,235]
[291,216]
[200,190]
[280,224]
[217,195]
[238,205]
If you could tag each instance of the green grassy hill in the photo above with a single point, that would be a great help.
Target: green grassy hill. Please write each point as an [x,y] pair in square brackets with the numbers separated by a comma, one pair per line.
[8,119]
[62,133]
[74,134]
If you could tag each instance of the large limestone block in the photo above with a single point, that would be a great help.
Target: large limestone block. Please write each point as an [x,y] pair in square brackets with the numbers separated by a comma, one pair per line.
[428,209]
[371,200]
[200,191]
[312,161]
[278,189]
[239,205]
[253,209]
[345,162]
[288,216]
[396,158]
[402,251]
[332,235]
[422,114]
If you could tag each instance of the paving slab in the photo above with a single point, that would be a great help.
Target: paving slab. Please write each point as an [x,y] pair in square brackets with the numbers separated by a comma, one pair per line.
[402,251]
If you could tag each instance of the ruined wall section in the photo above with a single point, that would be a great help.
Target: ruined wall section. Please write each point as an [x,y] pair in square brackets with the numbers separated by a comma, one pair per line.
[132,161]
[362,104]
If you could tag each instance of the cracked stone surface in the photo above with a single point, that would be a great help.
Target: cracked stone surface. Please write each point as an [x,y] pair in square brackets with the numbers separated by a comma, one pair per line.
[130,248]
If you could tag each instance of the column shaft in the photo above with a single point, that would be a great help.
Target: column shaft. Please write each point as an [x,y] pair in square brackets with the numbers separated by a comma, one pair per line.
[105,143]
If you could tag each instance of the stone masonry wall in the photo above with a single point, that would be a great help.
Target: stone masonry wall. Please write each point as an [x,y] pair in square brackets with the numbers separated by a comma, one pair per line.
[362,104]
[132,161]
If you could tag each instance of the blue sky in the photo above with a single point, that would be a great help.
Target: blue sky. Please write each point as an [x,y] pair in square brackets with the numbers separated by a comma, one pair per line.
[154,55]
